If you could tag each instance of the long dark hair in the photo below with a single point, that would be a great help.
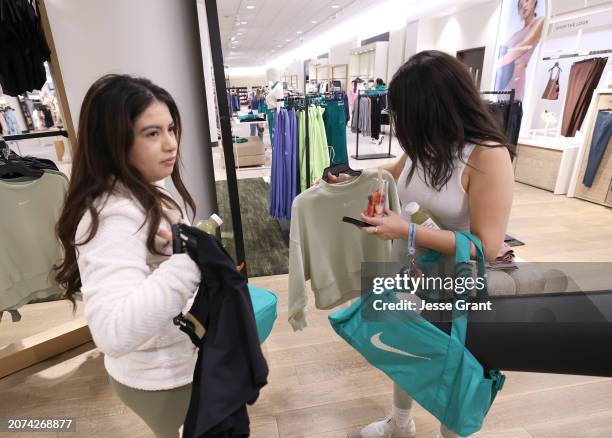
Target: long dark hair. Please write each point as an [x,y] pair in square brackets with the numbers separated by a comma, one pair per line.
[105,137]
[436,111]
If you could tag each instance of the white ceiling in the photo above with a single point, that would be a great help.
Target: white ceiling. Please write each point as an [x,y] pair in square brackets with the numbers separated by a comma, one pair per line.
[271,23]
[272,26]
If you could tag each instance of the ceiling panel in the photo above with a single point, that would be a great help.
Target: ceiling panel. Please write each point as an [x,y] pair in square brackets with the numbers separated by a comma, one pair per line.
[272,26]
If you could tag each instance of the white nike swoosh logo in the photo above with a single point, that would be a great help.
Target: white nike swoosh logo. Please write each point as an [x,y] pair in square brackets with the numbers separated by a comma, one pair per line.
[375,340]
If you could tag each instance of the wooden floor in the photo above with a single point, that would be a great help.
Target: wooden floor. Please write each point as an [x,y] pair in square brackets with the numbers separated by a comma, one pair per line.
[321,388]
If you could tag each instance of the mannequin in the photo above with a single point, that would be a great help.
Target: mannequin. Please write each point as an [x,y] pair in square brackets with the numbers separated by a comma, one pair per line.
[276,92]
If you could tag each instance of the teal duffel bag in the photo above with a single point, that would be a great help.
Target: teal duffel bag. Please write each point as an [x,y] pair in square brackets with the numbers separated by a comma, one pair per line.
[264,306]
[434,368]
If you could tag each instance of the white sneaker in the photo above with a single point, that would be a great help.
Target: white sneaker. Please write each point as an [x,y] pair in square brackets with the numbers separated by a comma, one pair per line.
[387,428]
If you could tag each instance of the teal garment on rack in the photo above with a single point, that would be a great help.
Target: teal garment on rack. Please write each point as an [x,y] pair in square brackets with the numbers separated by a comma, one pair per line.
[270,116]
[250,117]
[334,118]
[240,140]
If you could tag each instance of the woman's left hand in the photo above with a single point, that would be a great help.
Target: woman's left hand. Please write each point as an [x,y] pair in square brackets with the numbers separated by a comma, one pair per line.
[389,227]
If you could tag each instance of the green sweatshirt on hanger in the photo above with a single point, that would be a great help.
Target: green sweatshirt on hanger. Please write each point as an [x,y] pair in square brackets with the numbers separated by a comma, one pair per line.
[327,251]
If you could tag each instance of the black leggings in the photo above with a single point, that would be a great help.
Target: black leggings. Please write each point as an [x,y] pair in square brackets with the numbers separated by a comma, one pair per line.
[566,333]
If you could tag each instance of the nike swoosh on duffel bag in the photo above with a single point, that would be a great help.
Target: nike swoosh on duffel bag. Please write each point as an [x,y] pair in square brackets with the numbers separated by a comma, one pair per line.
[378,343]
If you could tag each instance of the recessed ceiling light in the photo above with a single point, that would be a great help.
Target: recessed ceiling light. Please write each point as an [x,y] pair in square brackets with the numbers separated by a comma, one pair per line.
[299,32]
[233,38]
[250,7]
[335,6]
[239,34]
[243,22]
[314,21]
[288,41]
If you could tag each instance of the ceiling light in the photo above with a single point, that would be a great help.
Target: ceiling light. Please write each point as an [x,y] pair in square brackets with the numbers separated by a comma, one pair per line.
[233,38]
[250,7]
[299,32]
[239,34]
[243,22]
[288,41]
[314,21]
[335,6]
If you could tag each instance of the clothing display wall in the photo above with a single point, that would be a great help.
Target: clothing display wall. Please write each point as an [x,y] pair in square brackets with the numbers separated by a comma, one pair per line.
[584,77]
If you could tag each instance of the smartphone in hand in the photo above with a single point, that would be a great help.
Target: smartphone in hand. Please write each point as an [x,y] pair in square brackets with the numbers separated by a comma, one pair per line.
[357,222]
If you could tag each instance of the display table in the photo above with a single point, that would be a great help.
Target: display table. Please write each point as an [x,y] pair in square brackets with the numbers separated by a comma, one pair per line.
[546,162]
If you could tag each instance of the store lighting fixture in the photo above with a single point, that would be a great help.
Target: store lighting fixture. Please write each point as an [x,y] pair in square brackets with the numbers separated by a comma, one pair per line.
[239,34]
[335,6]
[299,32]
[288,41]
[243,22]
[314,22]
[250,7]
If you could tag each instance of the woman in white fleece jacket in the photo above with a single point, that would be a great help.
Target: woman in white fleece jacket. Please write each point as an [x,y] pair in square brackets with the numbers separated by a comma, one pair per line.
[115,229]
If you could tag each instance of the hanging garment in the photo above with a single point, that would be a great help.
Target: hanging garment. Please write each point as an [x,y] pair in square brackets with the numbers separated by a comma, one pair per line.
[231,368]
[283,180]
[24,48]
[331,258]
[376,107]
[30,209]
[11,121]
[347,113]
[4,130]
[235,102]
[48,116]
[599,143]
[551,91]
[583,79]
[334,118]
[317,141]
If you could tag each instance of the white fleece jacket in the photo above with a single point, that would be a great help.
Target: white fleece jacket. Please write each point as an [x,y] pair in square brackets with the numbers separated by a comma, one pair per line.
[131,295]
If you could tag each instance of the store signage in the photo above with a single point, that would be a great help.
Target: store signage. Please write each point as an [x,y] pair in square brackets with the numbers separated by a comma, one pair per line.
[572,25]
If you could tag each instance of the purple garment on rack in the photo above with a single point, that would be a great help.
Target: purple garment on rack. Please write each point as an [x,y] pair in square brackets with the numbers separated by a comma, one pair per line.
[283,181]
[292,161]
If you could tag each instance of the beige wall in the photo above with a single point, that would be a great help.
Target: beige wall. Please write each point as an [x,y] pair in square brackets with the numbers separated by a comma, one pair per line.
[248,81]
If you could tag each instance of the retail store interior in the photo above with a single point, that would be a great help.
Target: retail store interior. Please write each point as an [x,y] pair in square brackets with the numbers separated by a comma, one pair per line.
[243,72]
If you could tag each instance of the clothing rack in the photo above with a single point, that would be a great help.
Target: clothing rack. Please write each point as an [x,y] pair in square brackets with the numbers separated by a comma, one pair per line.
[305,99]
[361,94]
[510,102]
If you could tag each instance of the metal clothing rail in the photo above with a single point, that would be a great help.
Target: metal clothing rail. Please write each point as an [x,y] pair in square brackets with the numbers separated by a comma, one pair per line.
[27,136]
[371,156]
[577,54]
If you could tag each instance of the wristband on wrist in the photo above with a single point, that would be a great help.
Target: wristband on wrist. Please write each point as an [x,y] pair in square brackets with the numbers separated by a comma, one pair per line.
[411,239]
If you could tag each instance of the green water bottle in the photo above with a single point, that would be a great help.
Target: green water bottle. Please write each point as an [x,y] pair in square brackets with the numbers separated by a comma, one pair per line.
[211,224]
[422,216]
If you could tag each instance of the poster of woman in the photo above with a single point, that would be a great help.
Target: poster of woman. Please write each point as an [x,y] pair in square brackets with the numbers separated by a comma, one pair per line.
[523,22]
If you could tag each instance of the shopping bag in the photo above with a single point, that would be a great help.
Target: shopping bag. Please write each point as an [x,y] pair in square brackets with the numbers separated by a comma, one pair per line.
[264,306]
[434,368]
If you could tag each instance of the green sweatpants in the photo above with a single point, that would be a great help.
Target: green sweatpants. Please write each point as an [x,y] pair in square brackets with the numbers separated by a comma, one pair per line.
[163,411]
